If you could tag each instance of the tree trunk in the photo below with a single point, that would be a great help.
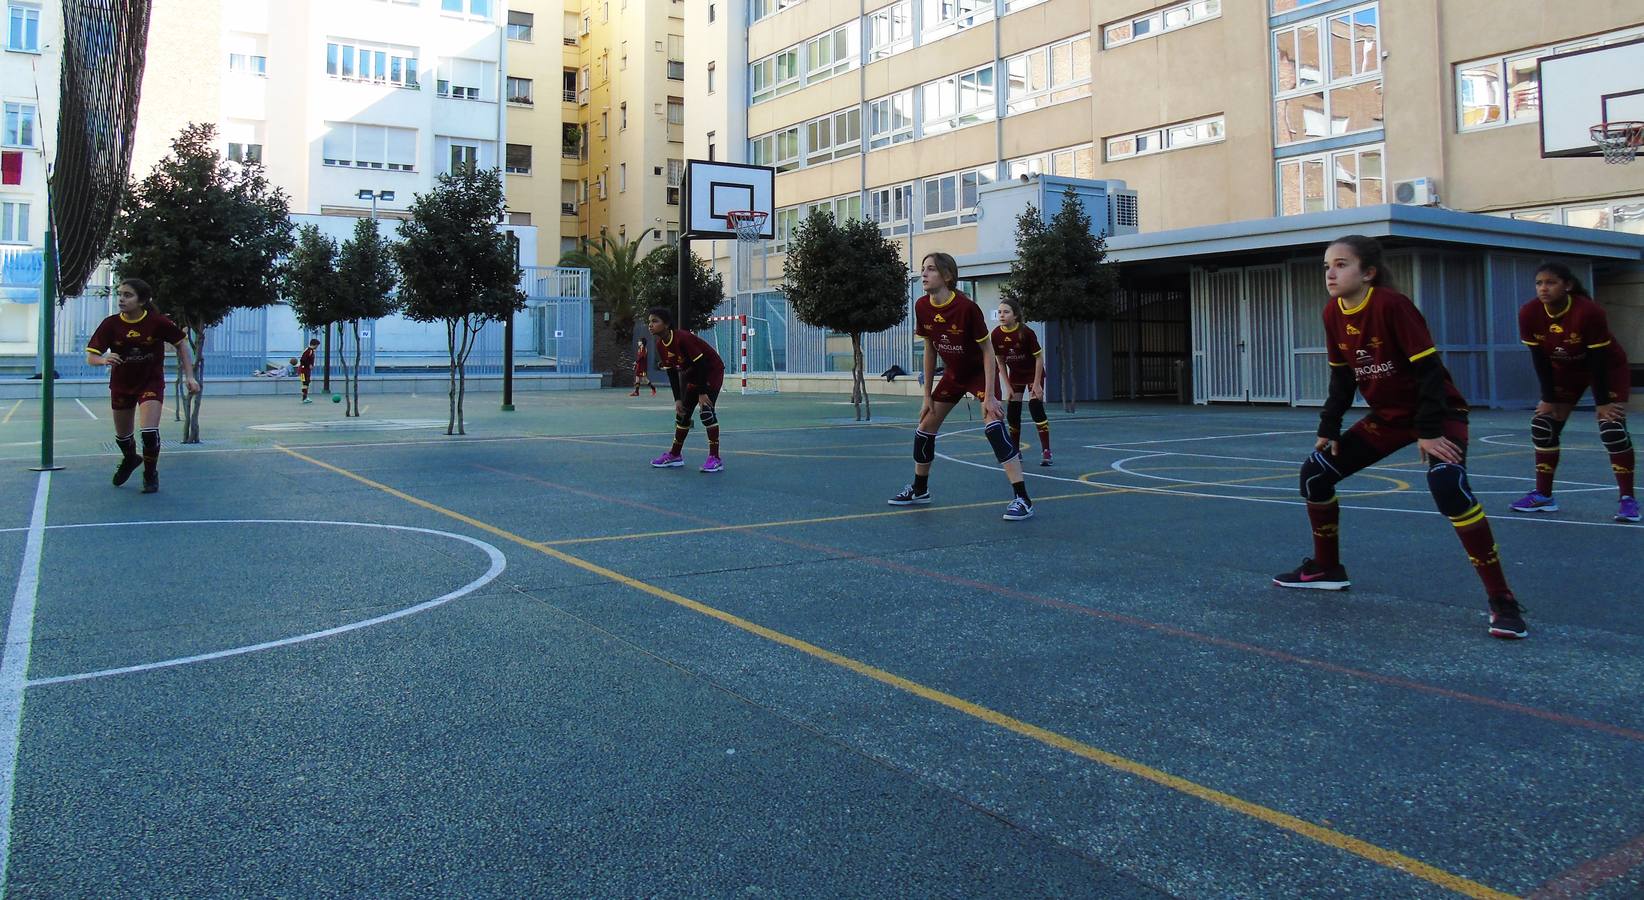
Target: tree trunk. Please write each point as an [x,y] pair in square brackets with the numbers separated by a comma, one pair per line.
[468,336]
[191,402]
[342,360]
[177,407]
[356,367]
[859,386]
[451,347]
[1065,356]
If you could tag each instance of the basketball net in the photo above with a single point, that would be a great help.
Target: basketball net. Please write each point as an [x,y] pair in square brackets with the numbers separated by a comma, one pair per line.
[748,225]
[1619,140]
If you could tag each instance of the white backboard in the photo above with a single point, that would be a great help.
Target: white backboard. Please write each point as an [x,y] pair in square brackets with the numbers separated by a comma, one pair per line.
[713,189]
[1583,88]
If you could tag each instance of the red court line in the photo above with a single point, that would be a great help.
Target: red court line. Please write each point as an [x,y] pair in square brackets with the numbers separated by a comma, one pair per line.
[1090,612]
[1593,874]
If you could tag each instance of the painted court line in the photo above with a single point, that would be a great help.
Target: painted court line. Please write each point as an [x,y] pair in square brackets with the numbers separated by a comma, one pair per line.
[11,412]
[14,664]
[86,408]
[1376,854]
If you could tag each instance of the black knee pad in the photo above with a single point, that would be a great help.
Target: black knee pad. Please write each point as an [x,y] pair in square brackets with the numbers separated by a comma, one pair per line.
[683,420]
[1036,409]
[1003,448]
[1544,432]
[710,419]
[1614,436]
[1318,478]
[1452,493]
[1013,414]
[924,447]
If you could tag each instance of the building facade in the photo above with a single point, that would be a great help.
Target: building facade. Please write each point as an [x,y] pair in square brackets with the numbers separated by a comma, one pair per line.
[30,66]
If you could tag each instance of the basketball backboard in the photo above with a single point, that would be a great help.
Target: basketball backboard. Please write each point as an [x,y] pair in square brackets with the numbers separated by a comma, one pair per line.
[1587,87]
[713,189]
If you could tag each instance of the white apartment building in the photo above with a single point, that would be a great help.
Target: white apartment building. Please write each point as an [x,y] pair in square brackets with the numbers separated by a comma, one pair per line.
[29,74]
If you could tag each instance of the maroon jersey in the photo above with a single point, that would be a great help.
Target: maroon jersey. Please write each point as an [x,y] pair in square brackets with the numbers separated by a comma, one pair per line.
[682,349]
[1381,338]
[141,345]
[1018,348]
[641,366]
[305,363]
[956,329]
[1566,334]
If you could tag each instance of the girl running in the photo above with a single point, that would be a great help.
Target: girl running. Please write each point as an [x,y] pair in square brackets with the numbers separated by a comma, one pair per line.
[132,343]
[696,373]
[642,371]
[1379,344]
[954,329]
[1021,368]
[1572,349]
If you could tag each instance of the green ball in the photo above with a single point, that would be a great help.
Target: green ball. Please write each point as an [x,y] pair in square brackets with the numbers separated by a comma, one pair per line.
[336,398]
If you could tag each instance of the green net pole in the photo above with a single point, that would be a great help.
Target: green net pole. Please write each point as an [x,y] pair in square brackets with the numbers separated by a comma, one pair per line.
[48,355]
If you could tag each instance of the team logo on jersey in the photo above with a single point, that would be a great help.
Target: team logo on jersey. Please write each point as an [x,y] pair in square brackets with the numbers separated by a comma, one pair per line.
[1556,328]
[133,333]
[1574,338]
[1352,330]
[1341,346]
[938,318]
[1375,343]
[1538,337]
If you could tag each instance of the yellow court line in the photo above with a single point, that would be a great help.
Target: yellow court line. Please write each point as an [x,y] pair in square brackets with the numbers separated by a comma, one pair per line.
[10,412]
[1382,856]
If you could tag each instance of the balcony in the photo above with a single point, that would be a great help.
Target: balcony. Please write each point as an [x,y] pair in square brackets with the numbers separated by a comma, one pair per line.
[567,208]
[570,95]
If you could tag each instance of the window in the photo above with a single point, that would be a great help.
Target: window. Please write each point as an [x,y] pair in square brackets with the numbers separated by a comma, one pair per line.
[787,222]
[1073,162]
[465,79]
[1328,76]
[570,30]
[844,208]
[14,223]
[19,125]
[568,85]
[587,80]
[890,30]
[945,17]
[829,54]
[759,9]
[951,199]
[622,116]
[711,14]
[243,140]
[1159,21]
[361,61]
[464,157]
[711,146]
[833,136]
[480,9]
[1344,179]
[622,61]
[605,12]
[779,149]
[1505,90]
[959,100]
[774,75]
[369,146]
[676,110]
[245,153]
[676,57]
[1284,6]
[23,34]
[519,25]
[1621,214]
[604,124]
[1170,137]
[520,91]
[890,120]
[676,178]
[892,208]
[517,159]
[1048,75]
[248,64]
[568,198]
[622,177]
[711,77]
[599,185]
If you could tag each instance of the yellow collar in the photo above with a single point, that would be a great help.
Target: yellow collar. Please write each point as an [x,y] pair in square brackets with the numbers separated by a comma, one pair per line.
[1358,308]
[943,304]
[1569,300]
[1011,329]
[670,341]
[134,321]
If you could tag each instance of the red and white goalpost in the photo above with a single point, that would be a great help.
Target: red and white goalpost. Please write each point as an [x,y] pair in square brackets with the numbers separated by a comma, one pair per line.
[764,382]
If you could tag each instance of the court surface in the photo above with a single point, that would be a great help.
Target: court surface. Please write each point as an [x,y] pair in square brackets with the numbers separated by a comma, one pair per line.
[356,658]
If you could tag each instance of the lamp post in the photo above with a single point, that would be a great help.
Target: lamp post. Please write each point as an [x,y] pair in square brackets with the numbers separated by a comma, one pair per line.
[362,194]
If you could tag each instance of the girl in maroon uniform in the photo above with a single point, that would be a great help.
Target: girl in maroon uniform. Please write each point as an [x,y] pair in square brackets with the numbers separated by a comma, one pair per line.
[1379,345]
[642,371]
[1021,369]
[133,343]
[305,366]
[954,329]
[1572,349]
[696,373]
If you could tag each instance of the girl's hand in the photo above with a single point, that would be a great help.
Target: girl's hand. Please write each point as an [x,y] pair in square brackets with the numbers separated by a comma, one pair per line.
[112,359]
[1326,443]
[1612,412]
[1439,448]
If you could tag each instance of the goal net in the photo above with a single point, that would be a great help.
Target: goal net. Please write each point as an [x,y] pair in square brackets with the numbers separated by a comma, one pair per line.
[748,359]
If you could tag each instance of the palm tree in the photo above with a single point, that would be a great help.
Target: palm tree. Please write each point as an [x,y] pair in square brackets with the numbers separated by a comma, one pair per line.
[614,267]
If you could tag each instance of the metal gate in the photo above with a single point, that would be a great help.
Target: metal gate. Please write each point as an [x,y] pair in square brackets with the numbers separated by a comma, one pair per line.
[1241,335]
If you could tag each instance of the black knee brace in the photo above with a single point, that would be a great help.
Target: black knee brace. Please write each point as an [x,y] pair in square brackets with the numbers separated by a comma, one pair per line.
[1036,409]
[1003,448]
[709,418]
[683,420]
[1452,493]
[1318,478]
[1614,437]
[924,447]
[1544,431]
[1013,414]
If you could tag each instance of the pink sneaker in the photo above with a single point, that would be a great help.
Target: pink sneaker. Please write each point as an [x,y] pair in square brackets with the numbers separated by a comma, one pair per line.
[668,461]
[712,464]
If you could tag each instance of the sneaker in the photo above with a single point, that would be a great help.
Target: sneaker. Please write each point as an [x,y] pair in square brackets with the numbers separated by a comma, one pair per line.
[129,464]
[668,461]
[635,393]
[1308,575]
[1628,512]
[1046,460]
[1018,510]
[1507,619]
[307,400]
[1535,502]
[908,498]
[151,482]
[713,464]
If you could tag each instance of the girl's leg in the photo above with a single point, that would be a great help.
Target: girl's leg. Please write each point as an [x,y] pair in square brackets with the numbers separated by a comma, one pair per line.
[125,438]
[1008,454]
[1036,408]
[1361,446]
[1013,416]
[148,417]
[924,444]
[1619,444]
[1545,429]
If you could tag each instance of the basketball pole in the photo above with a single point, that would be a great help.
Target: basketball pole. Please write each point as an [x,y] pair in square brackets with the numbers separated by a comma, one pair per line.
[48,349]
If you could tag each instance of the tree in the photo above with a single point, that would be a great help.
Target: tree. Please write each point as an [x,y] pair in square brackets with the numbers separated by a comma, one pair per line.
[309,280]
[1061,275]
[614,270]
[659,286]
[208,235]
[457,267]
[367,276]
[846,278]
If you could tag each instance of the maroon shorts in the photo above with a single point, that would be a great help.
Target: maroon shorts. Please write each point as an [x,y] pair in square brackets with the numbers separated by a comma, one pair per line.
[124,397]
[955,386]
[304,374]
[1569,386]
[690,393]
[1373,439]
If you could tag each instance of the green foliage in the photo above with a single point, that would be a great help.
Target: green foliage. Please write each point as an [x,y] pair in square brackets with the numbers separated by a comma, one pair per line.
[310,279]
[659,286]
[366,270]
[614,272]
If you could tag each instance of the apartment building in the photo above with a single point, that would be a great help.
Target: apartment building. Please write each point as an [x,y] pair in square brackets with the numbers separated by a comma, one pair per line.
[536,52]
[30,64]
[1214,112]
[623,89]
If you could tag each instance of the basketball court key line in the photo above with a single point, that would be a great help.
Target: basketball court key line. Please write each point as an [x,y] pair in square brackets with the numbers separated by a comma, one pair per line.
[1373,853]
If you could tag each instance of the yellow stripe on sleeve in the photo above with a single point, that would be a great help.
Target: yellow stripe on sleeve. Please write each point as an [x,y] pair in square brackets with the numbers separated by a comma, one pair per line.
[1038,353]
[1425,353]
[1596,346]
[696,357]
[1337,364]
[1530,343]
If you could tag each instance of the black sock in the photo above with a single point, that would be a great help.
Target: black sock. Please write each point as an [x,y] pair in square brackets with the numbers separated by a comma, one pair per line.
[127,445]
[151,449]
[1020,487]
[921,483]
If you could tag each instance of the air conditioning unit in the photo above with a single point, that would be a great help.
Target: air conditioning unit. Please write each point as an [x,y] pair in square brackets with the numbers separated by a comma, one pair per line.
[1416,192]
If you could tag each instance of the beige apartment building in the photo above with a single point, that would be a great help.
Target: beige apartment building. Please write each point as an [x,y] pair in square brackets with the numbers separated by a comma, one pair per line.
[1216,112]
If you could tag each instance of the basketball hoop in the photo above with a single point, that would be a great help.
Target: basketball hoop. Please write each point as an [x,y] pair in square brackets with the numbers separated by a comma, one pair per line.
[747,223]
[1619,140]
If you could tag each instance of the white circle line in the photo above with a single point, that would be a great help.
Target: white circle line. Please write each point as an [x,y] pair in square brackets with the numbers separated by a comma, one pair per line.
[498,564]
[1119,466]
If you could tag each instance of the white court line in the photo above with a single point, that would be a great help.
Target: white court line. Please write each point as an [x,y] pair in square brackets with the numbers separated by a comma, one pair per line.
[86,408]
[1121,445]
[14,665]
[498,563]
